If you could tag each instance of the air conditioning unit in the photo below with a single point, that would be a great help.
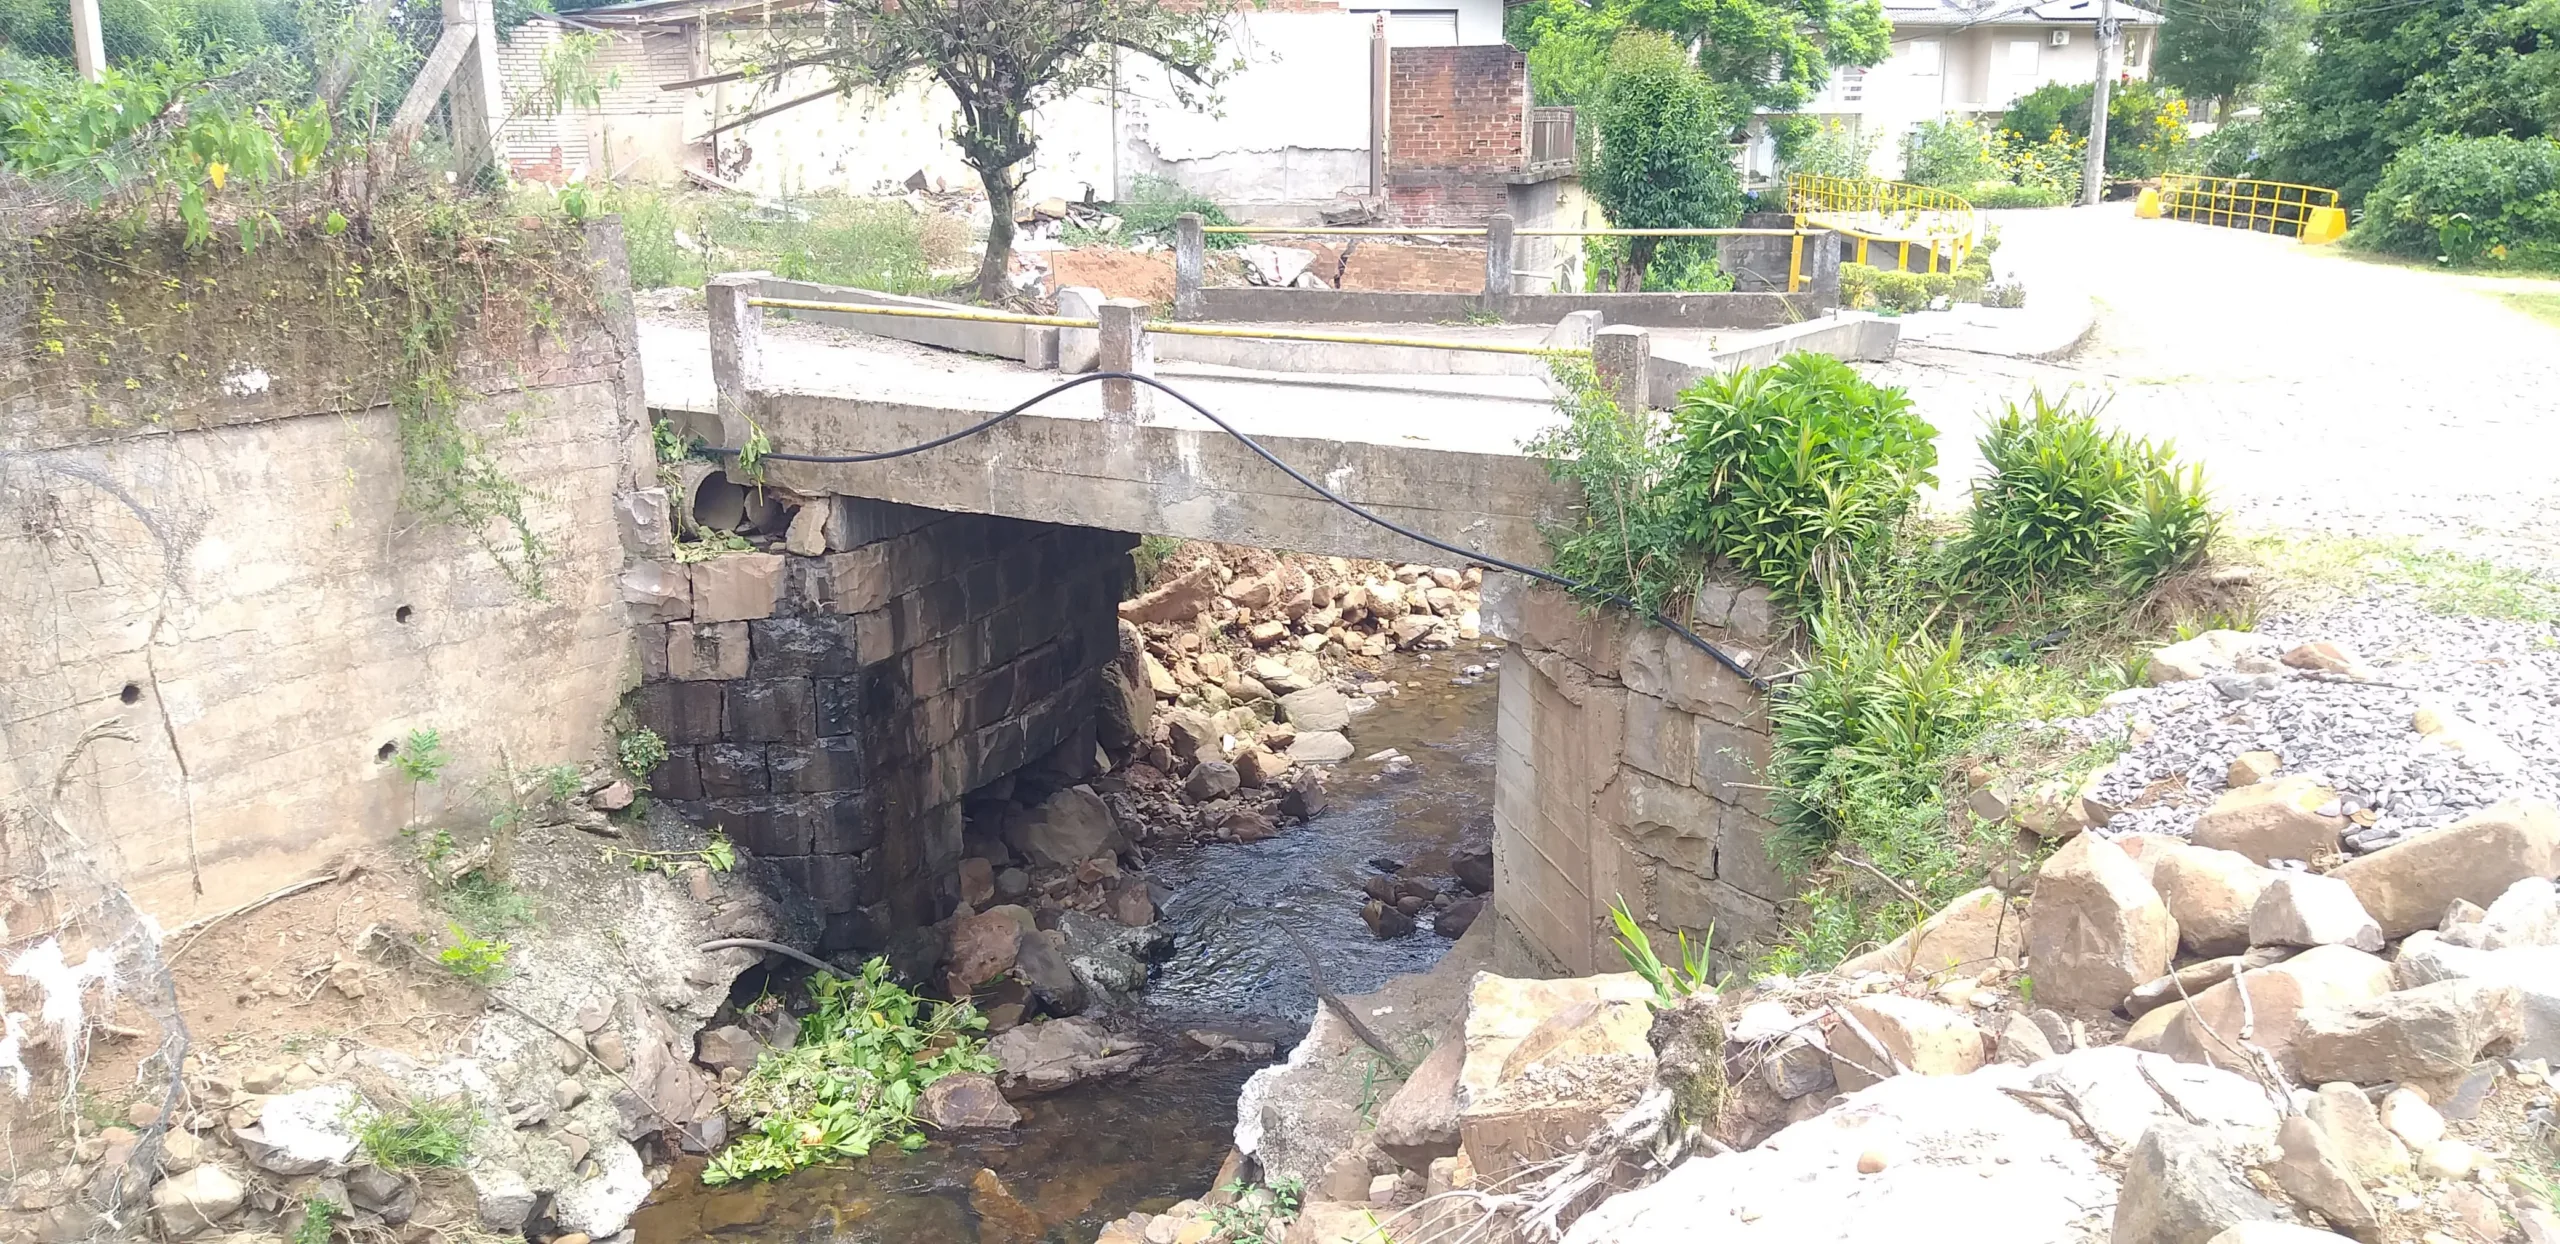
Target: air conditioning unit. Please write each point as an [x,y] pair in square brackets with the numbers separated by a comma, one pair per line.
[2062,38]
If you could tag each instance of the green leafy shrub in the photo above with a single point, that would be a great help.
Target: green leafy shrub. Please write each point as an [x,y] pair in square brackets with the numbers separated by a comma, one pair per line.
[1662,161]
[419,1134]
[2469,201]
[1150,210]
[472,957]
[1866,724]
[867,1050]
[678,237]
[2231,150]
[2051,165]
[421,756]
[1790,473]
[1994,195]
[2067,500]
[1680,266]
[640,752]
[2005,294]
[1955,155]
[1901,292]
[1858,285]
[1823,147]
[2146,129]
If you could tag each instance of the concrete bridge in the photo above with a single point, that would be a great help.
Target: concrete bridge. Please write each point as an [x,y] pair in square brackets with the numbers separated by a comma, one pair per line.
[943,618]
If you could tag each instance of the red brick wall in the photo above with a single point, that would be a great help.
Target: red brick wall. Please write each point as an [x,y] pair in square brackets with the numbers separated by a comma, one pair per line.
[1403,266]
[1448,202]
[1457,108]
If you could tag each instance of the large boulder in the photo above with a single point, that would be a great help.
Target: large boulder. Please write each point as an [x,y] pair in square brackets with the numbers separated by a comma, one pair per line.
[1321,707]
[2182,1187]
[1965,935]
[2278,995]
[2408,886]
[2348,1118]
[983,947]
[308,1132]
[965,1101]
[1954,1157]
[1420,1122]
[2527,914]
[1064,830]
[197,1200]
[2429,1035]
[2305,909]
[2210,894]
[1917,1035]
[2534,972]
[2095,928]
[2313,1170]
[1178,599]
[1049,1055]
[1547,1063]
[2190,659]
[2287,818]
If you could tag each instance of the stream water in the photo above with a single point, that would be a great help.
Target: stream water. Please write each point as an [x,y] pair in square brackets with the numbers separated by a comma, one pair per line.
[1094,1153]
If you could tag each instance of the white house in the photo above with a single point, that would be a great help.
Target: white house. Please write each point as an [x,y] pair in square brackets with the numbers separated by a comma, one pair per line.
[1953,60]
[1293,128]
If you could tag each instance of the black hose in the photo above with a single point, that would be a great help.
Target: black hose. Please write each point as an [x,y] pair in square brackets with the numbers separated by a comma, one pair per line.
[1487,559]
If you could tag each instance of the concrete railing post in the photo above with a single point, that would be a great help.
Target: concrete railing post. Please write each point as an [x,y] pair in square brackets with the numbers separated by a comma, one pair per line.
[1124,348]
[1622,354]
[1190,265]
[1498,259]
[737,351]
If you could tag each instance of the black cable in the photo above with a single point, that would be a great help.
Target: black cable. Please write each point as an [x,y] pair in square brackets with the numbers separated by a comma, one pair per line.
[1585,589]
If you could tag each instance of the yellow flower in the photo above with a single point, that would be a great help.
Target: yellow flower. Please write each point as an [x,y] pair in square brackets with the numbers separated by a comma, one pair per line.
[217,171]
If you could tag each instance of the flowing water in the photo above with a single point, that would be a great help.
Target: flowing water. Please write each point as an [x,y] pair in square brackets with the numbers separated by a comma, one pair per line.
[1094,1153]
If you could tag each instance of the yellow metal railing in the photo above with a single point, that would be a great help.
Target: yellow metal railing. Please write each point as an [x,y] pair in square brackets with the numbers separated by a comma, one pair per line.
[2284,208]
[1899,215]
[1165,326]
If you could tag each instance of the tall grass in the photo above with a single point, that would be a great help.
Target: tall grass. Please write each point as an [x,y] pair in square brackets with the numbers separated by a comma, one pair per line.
[680,237]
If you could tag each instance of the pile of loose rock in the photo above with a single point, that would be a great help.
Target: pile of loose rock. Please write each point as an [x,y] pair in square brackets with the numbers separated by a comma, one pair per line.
[2161,1043]
[2378,725]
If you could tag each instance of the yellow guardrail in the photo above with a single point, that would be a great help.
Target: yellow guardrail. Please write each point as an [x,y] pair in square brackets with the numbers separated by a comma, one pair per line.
[2284,208]
[1898,214]
[1167,327]
[1371,231]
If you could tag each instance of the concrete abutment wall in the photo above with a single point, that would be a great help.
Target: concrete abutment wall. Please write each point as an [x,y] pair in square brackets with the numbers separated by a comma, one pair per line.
[1631,767]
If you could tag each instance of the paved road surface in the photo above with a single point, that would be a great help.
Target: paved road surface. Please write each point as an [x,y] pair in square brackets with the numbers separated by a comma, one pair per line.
[2321,391]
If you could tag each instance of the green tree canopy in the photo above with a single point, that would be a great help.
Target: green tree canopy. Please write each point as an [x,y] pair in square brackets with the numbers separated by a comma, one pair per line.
[1663,160]
[2217,52]
[1772,54]
[2382,77]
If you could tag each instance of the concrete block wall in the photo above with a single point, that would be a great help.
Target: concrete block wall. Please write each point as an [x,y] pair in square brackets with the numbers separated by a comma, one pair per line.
[831,710]
[221,561]
[1629,768]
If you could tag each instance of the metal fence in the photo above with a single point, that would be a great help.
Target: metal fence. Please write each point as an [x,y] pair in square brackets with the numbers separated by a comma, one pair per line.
[1942,226]
[2283,208]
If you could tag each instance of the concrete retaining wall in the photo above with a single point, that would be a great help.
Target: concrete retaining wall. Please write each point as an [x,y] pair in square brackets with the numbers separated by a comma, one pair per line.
[831,710]
[219,559]
[1628,768]
[1852,335]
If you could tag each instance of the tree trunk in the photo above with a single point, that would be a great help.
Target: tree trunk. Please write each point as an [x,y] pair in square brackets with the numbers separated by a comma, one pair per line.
[995,269]
[1639,257]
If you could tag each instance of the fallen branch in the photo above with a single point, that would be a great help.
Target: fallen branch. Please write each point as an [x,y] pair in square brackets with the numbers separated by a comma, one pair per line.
[2165,1095]
[1315,978]
[205,924]
[757,943]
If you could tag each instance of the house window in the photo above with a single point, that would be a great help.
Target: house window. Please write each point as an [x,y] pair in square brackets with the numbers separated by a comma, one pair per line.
[1849,85]
[1923,58]
[2133,51]
[2024,57]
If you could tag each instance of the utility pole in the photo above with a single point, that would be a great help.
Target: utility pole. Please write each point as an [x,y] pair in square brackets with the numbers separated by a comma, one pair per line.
[88,41]
[2093,175]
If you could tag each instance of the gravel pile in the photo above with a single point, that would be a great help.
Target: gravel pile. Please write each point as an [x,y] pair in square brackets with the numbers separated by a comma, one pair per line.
[2357,737]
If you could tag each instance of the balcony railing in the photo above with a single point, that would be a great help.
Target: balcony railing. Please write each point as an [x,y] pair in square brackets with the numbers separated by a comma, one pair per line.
[1550,138]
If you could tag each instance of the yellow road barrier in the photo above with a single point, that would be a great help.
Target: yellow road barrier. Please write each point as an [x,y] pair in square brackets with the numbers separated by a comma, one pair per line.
[1943,226]
[2284,208]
